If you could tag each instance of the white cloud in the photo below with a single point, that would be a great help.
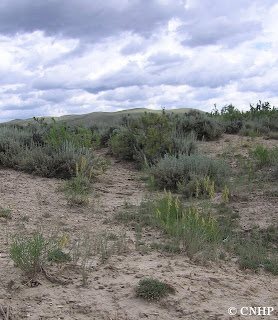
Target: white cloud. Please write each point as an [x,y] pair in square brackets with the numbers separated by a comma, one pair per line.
[77,57]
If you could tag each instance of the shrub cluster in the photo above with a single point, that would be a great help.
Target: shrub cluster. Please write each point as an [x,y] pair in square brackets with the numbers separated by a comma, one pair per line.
[48,156]
[204,126]
[261,119]
[184,171]
[147,138]
[152,289]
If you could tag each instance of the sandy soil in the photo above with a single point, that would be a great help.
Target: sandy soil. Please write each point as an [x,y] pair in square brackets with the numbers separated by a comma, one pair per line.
[201,292]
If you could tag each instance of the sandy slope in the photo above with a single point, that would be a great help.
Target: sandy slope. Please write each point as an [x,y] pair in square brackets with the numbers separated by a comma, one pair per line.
[202,292]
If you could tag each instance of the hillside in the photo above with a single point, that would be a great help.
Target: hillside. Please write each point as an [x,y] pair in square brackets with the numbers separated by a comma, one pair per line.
[97,117]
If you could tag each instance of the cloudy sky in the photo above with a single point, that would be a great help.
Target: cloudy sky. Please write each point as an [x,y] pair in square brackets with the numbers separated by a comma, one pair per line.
[77,56]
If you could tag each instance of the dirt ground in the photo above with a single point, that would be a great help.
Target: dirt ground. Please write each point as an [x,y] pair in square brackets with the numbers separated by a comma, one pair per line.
[201,291]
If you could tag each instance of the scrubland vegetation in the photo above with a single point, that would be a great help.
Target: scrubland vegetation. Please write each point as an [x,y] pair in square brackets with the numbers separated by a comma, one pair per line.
[192,194]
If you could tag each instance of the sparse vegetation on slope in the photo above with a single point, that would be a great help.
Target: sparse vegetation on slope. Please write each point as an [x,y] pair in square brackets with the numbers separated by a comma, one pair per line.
[208,220]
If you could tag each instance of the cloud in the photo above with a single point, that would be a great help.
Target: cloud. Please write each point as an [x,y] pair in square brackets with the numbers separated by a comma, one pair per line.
[67,56]
[85,19]
[220,31]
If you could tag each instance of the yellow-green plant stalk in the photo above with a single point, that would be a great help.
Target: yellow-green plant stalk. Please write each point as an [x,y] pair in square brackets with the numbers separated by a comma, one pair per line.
[177,204]
[76,169]
[211,190]
[169,201]
[206,184]
[158,213]
[225,195]
[91,173]
[83,164]
[63,241]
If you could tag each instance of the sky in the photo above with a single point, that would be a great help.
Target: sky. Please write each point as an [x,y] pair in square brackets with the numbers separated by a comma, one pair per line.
[62,57]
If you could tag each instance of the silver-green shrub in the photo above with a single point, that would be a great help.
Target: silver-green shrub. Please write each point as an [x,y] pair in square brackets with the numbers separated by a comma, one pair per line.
[171,171]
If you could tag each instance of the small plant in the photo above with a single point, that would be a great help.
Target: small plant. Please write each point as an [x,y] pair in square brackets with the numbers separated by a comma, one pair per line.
[225,195]
[77,189]
[6,213]
[82,253]
[57,255]
[31,253]
[262,155]
[152,289]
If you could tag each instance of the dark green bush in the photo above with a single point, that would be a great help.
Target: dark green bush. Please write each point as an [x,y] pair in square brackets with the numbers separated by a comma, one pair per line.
[58,255]
[144,139]
[152,289]
[147,138]
[104,132]
[123,144]
[258,120]
[204,126]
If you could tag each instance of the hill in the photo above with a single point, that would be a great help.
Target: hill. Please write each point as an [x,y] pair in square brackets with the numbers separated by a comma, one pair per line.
[98,117]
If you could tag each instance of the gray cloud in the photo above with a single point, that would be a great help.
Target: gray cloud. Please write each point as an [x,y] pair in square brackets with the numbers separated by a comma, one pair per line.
[165,58]
[68,56]
[220,31]
[87,19]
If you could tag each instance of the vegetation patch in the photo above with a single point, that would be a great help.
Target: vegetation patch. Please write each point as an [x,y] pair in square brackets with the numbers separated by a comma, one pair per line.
[184,172]
[6,213]
[152,289]
[30,253]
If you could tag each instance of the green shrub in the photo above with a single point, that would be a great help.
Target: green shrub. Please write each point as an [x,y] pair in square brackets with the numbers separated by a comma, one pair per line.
[152,289]
[144,139]
[31,253]
[105,132]
[153,135]
[262,155]
[171,172]
[258,120]
[204,126]
[60,133]
[123,144]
